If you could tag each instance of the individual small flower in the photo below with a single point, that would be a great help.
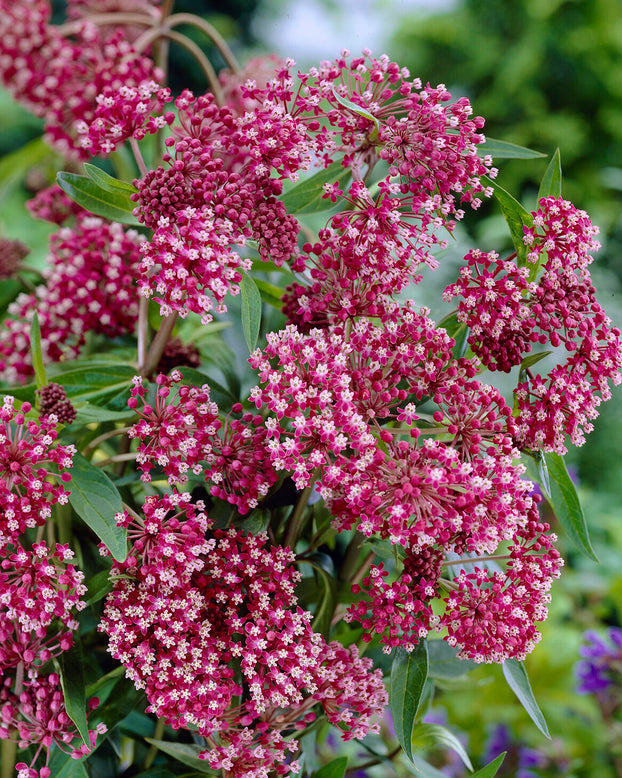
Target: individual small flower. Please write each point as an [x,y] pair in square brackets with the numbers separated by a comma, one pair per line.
[123,113]
[53,400]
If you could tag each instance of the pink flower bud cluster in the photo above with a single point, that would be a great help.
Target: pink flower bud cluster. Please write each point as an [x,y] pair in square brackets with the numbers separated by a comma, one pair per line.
[188,605]
[58,77]
[89,278]
[507,313]
[39,716]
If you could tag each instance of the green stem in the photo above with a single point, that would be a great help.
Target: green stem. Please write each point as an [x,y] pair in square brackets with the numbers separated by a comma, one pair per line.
[351,558]
[101,438]
[211,32]
[8,754]
[63,521]
[474,560]
[158,734]
[295,521]
[158,345]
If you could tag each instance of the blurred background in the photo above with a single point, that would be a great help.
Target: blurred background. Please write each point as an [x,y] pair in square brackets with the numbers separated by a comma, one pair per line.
[545,74]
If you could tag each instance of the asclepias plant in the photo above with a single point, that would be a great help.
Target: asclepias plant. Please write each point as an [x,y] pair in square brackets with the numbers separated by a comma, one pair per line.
[209,550]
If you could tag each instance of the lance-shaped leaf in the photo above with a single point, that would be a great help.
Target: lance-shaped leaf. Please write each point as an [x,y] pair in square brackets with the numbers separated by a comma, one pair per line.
[351,106]
[334,769]
[37,354]
[251,310]
[516,677]
[529,361]
[491,769]
[501,149]
[72,682]
[14,166]
[185,753]
[564,501]
[307,196]
[516,216]
[115,206]
[551,184]
[96,500]
[409,674]
[109,183]
[426,735]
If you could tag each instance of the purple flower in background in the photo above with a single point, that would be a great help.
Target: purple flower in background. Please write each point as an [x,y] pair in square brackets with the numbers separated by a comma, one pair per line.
[600,672]
[519,758]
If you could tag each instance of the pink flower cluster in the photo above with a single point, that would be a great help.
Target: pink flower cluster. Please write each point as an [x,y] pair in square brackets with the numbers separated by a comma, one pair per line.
[182,432]
[33,469]
[344,410]
[58,73]
[507,313]
[122,113]
[88,288]
[40,589]
[190,602]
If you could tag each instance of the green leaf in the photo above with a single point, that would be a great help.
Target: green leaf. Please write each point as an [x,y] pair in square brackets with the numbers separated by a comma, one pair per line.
[326,593]
[551,184]
[306,197]
[501,149]
[37,355]
[14,166]
[184,753]
[110,184]
[96,500]
[491,769]
[87,413]
[115,206]
[566,505]
[64,765]
[529,361]
[72,682]
[98,586]
[251,310]
[271,294]
[101,381]
[443,662]
[351,106]
[516,676]
[426,735]
[334,769]
[409,673]
[425,769]
[516,217]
